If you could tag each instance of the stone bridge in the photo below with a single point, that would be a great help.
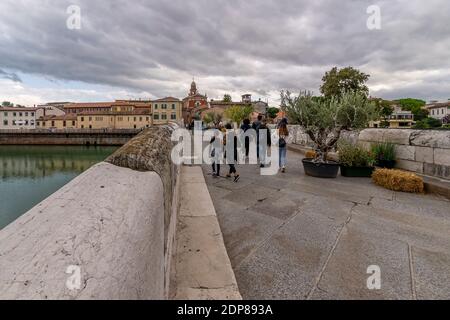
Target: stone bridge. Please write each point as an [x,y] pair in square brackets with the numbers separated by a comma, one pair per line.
[138,226]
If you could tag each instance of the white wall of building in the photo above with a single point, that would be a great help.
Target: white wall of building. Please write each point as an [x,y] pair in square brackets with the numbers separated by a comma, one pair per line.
[439,112]
[17,118]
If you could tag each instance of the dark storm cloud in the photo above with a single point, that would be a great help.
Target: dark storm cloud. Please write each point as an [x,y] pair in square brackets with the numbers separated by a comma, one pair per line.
[11,76]
[257,46]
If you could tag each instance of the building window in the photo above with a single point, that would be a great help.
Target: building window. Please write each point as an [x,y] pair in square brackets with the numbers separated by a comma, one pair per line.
[173,116]
[26,114]
[147,118]
[82,126]
[156,107]
[43,123]
[14,114]
[140,119]
[90,119]
[82,119]
[164,117]
[32,114]
[6,114]
[73,123]
[156,116]
[53,123]
[5,122]
[20,114]
[134,119]
[64,123]
[173,106]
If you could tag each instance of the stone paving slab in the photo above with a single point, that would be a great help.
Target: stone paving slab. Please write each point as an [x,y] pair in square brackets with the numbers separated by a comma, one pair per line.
[432,273]
[345,276]
[291,236]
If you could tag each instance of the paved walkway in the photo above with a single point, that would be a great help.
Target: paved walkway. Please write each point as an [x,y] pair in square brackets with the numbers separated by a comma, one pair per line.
[296,237]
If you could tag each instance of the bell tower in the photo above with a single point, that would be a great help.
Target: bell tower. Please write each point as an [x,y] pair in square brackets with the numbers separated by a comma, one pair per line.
[193,91]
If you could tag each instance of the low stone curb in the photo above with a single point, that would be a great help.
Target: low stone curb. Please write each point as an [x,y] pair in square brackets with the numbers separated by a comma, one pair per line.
[203,269]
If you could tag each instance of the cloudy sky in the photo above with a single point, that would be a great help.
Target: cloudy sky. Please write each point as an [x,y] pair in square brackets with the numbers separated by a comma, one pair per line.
[153,48]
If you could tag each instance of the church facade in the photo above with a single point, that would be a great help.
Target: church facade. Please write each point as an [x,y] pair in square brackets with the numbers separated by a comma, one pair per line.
[194,104]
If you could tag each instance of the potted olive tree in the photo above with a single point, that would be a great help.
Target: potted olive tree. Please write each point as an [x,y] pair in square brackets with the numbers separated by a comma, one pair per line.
[323,120]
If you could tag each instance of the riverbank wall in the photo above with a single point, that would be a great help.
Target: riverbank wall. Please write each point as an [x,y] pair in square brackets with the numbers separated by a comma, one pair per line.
[89,137]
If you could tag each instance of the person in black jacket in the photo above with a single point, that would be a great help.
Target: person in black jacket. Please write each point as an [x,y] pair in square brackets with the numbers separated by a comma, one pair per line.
[245,127]
[256,126]
[234,154]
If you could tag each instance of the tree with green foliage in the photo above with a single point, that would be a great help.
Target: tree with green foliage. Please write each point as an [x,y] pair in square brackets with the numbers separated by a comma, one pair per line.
[212,117]
[324,120]
[7,104]
[338,81]
[272,112]
[385,109]
[238,113]
[428,123]
[415,106]
[227,98]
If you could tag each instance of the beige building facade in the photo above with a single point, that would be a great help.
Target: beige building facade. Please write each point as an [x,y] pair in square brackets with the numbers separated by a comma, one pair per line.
[17,118]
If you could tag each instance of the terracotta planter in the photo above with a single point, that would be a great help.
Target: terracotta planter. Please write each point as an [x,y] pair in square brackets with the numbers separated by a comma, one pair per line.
[329,169]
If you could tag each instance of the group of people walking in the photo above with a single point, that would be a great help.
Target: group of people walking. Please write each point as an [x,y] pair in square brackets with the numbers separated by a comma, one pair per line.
[260,126]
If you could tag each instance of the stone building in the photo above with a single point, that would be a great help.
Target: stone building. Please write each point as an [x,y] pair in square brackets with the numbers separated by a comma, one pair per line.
[167,109]
[66,121]
[439,110]
[15,118]
[121,114]
[398,119]
[194,105]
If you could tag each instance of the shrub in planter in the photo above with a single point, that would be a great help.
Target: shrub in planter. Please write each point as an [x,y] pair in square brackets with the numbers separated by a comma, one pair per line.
[384,154]
[323,120]
[398,180]
[355,161]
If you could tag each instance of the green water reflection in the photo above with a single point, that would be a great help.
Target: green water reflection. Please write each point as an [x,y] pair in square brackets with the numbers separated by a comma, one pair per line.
[29,174]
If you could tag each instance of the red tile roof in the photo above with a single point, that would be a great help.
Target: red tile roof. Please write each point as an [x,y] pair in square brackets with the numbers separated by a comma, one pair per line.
[119,113]
[18,109]
[168,99]
[63,117]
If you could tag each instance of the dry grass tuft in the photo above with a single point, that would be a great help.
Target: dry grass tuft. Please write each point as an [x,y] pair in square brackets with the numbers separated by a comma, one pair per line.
[398,180]
[310,154]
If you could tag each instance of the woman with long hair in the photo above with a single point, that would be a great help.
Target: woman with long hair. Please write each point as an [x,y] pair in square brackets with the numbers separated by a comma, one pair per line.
[283,134]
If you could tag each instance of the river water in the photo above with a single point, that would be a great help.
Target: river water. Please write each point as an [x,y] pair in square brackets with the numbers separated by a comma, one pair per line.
[29,174]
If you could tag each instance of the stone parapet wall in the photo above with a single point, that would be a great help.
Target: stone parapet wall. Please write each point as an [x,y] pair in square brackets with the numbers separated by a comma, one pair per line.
[422,151]
[115,223]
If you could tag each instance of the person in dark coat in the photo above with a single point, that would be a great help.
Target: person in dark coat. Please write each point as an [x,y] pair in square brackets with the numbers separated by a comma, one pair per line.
[233,172]
[245,127]
[256,126]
